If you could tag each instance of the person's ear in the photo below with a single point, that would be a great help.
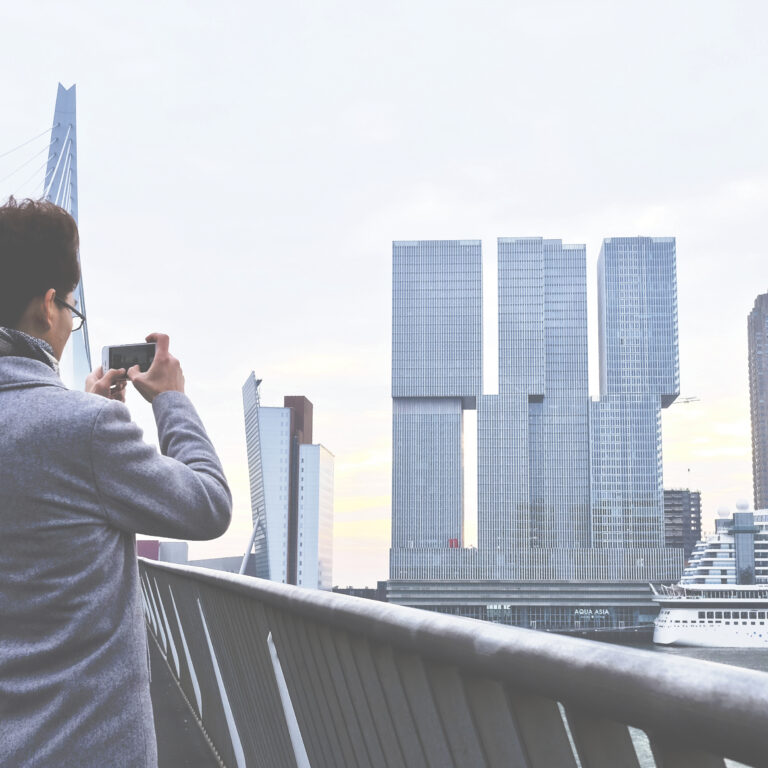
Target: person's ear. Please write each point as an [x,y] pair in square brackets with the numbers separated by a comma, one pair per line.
[49,308]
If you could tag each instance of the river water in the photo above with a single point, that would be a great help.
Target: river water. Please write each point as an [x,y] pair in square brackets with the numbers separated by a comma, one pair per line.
[751,658]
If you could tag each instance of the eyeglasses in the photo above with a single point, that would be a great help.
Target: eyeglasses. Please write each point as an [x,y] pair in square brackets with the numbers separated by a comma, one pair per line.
[78,318]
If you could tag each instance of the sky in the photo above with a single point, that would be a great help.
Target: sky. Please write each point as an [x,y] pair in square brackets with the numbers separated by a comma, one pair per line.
[245,167]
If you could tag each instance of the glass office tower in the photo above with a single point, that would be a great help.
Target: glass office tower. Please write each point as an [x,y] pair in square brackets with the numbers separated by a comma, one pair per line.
[533,437]
[436,374]
[639,375]
[758,397]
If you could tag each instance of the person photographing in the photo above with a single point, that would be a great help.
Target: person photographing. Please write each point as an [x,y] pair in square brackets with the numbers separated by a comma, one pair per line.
[164,375]
[77,483]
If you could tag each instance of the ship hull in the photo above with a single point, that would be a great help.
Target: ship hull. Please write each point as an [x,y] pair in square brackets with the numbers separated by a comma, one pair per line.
[700,623]
[703,638]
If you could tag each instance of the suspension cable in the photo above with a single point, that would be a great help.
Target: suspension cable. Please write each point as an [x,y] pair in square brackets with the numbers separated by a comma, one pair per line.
[17,193]
[23,165]
[29,141]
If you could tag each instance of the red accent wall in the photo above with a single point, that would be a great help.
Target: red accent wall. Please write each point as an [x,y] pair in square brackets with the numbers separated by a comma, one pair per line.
[149,548]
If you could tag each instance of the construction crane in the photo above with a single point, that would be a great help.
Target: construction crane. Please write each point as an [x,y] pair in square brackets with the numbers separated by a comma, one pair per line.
[684,400]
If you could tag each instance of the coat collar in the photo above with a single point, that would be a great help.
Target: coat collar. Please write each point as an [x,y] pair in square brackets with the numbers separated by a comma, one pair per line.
[23,372]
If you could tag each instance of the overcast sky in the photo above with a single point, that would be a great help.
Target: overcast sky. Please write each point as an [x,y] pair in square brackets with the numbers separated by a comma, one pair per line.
[244,168]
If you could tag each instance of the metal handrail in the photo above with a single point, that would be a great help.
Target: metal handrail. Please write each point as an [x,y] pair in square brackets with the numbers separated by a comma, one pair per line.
[682,703]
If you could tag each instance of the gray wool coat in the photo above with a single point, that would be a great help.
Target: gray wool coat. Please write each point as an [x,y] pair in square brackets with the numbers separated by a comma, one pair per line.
[77,482]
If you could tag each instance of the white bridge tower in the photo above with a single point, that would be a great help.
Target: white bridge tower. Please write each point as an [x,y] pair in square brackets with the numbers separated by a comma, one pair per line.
[60,187]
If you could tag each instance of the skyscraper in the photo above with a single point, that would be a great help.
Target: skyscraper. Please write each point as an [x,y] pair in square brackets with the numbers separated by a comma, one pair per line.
[533,437]
[639,374]
[758,397]
[314,546]
[569,491]
[251,402]
[436,374]
[291,491]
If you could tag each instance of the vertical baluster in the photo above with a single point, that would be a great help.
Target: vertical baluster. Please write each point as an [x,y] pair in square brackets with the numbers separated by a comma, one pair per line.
[668,755]
[601,743]
[542,730]
[495,723]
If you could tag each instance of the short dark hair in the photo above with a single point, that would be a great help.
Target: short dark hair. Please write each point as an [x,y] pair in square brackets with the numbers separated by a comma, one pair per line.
[38,250]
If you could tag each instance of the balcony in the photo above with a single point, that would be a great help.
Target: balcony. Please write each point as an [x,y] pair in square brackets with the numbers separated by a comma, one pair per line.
[264,674]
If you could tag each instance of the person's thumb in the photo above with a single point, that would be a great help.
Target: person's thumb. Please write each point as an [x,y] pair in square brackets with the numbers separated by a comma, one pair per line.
[133,373]
[113,375]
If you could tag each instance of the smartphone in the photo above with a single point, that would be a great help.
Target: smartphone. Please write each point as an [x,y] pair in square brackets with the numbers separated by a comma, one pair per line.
[128,355]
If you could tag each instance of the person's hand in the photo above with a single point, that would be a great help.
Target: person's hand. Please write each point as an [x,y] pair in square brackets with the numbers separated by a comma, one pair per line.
[164,375]
[110,384]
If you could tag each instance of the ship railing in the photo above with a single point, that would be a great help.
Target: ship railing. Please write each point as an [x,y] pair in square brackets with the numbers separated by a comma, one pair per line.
[669,590]
[281,676]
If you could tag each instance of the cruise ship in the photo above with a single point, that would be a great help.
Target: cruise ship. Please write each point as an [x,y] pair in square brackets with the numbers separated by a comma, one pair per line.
[721,600]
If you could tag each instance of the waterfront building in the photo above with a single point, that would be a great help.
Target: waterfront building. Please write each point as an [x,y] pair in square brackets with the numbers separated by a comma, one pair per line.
[314,544]
[369,593]
[682,519]
[569,492]
[639,375]
[758,397]
[275,442]
[533,437]
[436,374]
[291,491]
[737,553]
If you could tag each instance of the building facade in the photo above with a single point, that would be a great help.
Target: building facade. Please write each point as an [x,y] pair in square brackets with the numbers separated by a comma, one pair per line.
[569,490]
[682,519]
[533,437]
[275,438]
[436,373]
[251,411]
[758,397]
[314,546]
[291,492]
[639,375]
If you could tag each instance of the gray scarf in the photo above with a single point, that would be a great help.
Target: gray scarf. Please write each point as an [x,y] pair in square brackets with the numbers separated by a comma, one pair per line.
[15,343]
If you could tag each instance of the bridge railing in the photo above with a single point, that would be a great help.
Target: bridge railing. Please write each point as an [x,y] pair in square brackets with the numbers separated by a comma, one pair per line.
[283,676]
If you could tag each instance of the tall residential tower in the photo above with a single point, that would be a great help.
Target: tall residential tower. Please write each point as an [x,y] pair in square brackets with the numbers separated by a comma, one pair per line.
[533,437]
[682,519]
[758,397]
[639,375]
[436,373]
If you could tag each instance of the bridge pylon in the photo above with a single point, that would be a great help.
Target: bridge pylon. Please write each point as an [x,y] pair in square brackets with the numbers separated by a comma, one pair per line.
[60,187]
